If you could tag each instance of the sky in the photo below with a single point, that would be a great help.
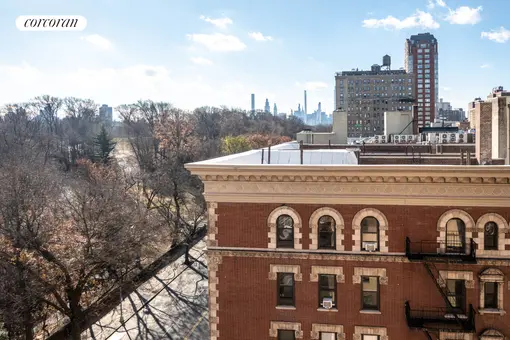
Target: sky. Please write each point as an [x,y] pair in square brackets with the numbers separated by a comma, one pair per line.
[193,53]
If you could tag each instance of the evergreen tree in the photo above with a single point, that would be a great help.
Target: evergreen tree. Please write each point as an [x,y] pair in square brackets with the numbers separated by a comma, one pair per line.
[103,146]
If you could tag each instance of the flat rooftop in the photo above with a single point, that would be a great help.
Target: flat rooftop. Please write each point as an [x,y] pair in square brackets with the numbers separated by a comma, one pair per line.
[286,154]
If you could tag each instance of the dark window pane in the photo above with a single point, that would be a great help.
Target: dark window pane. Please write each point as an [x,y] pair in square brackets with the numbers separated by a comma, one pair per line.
[491,295]
[370,233]
[455,235]
[370,292]
[456,290]
[327,236]
[491,236]
[286,335]
[285,232]
[285,289]
[327,288]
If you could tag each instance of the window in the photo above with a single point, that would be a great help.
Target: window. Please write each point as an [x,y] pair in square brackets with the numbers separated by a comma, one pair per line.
[327,234]
[327,336]
[455,235]
[285,289]
[286,335]
[491,295]
[370,234]
[327,288]
[370,337]
[490,236]
[456,291]
[370,292]
[285,232]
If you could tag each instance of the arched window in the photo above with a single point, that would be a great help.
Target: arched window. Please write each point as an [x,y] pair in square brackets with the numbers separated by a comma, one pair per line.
[285,232]
[490,236]
[455,235]
[327,232]
[370,234]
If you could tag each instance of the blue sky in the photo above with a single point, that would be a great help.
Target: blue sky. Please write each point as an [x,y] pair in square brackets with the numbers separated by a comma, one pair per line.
[214,52]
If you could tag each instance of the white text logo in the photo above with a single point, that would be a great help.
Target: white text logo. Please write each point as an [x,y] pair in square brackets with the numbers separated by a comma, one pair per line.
[51,23]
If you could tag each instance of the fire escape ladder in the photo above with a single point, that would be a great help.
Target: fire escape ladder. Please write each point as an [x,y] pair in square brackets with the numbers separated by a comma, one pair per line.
[443,289]
[427,334]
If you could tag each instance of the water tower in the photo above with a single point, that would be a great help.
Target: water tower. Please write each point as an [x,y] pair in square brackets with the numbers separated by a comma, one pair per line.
[386,62]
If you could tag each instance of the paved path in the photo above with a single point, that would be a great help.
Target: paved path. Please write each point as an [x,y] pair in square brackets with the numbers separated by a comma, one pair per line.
[171,305]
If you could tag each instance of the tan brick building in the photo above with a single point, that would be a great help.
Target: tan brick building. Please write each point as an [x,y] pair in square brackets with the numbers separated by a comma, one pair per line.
[316,246]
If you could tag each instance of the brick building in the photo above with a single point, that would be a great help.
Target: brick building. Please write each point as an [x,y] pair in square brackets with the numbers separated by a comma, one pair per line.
[310,244]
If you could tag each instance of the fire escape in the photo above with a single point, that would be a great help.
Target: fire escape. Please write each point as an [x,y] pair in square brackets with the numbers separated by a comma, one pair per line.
[453,317]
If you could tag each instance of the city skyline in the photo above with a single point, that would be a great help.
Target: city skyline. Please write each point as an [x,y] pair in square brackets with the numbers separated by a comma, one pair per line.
[198,53]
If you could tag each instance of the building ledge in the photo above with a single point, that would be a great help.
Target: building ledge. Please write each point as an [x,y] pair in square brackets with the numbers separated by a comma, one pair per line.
[370,311]
[483,311]
[286,307]
[327,310]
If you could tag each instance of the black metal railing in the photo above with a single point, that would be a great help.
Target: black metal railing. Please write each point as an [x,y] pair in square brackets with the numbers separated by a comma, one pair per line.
[441,318]
[464,249]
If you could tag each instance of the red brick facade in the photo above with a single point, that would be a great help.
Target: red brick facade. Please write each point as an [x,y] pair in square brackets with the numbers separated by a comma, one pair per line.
[247,297]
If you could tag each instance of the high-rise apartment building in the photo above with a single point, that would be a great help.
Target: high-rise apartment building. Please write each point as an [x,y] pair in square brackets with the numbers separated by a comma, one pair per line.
[267,108]
[253,103]
[366,95]
[472,112]
[275,110]
[106,114]
[421,59]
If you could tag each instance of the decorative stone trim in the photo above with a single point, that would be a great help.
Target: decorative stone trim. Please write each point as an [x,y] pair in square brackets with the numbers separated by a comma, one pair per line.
[314,227]
[212,229]
[492,275]
[451,335]
[317,328]
[271,222]
[503,229]
[456,275]
[383,228]
[338,271]
[366,330]
[274,269]
[347,256]
[492,334]
[280,325]
[213,263]
[441,225]
[363,271]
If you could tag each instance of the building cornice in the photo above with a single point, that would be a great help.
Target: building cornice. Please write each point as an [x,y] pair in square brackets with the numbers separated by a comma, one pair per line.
[357,184]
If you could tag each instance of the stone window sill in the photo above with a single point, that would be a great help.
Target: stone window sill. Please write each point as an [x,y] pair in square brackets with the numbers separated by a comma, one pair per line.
[370,311]
[491,311]
[286,307]
[320,309]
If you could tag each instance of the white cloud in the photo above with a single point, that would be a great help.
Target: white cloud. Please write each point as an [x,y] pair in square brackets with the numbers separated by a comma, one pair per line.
[431,4]
[97,40]
[312,85]
[419,19]
[201,61]
[485,66]
[501,36]
[260,37]
[218,42]
[220,22]
[446,88]
[465,15]
[440,3]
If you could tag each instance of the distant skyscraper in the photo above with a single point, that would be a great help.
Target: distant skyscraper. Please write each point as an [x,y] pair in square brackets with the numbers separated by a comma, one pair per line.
[106,114]
[421,59]
[305,104]
[267,108]
[275,110]
[253,102]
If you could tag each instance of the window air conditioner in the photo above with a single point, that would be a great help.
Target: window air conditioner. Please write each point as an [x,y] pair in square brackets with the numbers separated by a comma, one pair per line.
[370,246]
[327,303]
